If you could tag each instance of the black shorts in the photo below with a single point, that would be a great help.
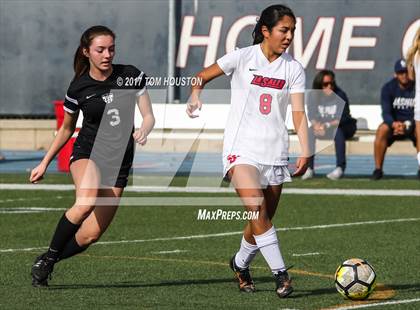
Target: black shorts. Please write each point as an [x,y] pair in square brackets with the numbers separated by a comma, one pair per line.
[408,135]
[82,150]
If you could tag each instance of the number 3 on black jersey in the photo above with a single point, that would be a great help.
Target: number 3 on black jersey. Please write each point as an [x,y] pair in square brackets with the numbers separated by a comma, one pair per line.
[115,118]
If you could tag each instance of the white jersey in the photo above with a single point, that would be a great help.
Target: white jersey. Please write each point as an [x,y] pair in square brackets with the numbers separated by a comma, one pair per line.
[416,64]
[260,91]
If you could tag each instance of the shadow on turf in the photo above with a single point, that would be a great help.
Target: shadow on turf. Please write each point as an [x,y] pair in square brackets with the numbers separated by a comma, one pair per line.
[409,287]
[297,293]
[136,284]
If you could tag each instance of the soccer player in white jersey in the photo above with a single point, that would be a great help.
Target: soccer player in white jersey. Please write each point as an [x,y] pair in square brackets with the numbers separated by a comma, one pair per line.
[413,65]
[264,79]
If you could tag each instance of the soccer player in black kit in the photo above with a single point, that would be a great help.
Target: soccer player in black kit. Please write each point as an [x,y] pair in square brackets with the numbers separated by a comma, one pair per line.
[103,152]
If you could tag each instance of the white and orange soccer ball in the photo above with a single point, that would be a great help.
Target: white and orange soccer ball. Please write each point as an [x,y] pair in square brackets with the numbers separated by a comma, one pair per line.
[355,279]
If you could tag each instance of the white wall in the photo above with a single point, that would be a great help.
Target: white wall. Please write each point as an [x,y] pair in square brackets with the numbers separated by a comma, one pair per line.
[214,116]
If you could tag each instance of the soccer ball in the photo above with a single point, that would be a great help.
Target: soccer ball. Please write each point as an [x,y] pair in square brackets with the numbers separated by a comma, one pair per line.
[355,279]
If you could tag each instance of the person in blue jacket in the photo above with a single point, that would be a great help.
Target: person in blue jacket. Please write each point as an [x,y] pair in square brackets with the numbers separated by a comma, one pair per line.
[397,102]
[329,114]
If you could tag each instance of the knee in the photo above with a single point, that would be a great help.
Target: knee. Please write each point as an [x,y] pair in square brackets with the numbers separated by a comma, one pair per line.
[264,216]
[78,213]
[89,238]
[383,131]
[339,134]
[253,202]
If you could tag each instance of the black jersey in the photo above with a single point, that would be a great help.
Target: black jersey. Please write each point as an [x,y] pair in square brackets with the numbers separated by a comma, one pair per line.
[108,119]
[92,96]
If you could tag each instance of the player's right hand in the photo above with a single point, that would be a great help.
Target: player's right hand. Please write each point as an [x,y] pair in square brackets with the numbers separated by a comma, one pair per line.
[398,128]
[37,174]
[193,106]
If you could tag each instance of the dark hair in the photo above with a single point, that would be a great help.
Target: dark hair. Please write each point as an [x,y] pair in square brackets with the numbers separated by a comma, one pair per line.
[269,18]
[319,78]
[81,62]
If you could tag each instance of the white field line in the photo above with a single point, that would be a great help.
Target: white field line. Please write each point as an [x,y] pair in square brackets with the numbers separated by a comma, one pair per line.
[169,252]
[8,200]
[353,192]
[48,187]
[298,228]
[28,210]
[306,254]
[173,189]
[167,201]
[23,249]
[386,303]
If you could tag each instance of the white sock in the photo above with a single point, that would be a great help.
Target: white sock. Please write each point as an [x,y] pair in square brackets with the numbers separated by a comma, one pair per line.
[418,158]
[246,254]
[269,247]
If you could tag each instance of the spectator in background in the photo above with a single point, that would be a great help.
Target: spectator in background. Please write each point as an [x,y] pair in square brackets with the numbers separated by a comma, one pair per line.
[397,101]
[2,157]
[330,119]
[413,65]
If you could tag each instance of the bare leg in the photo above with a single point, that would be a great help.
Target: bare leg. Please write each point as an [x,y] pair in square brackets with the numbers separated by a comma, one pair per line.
[380,145]
[245,178]
[98,221]
[272,198]
[86,179]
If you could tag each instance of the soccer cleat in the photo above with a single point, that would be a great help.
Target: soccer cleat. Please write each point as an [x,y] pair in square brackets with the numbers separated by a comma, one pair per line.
[377,174]
[309,174]
[283,283]
[336,174]
[244,277]
[41,271]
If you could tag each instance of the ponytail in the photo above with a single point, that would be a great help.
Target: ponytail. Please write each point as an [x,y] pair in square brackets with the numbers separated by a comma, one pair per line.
[269,18]
[257,33]
[81,62]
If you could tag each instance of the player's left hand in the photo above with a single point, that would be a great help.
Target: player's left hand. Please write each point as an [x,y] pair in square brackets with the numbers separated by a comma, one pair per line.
[301,166]
[140,136]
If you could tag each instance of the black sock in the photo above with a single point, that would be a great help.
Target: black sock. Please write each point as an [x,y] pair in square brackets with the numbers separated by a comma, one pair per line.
[72,248]
[63,233]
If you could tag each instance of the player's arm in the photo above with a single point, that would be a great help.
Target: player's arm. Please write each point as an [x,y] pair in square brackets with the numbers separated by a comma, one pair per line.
[63,135]
[203,77]
[301,127]
[411,72]
[145,107]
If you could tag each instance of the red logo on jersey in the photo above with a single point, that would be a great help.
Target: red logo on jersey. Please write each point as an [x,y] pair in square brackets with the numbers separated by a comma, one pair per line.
[263,81]
[232,158]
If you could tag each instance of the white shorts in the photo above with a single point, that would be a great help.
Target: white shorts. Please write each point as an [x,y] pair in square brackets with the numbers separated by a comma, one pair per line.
[269,174]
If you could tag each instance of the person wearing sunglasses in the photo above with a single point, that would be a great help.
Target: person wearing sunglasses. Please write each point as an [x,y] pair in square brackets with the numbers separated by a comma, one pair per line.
[329,115]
